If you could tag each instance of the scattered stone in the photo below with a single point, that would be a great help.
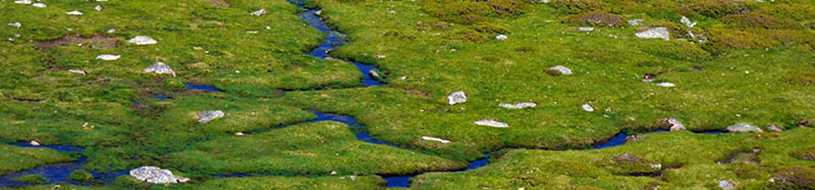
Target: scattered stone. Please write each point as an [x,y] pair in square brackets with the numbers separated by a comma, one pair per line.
[78,71]
[491,123]
[381,56]
[585,29]
[259,12]
[501,37]
[519,105]
[456,97]
[207,116]
[588,108]
[35,143]
[666,84]
[635,22]
[560,68]
[15,24]
[142,40]
[23,2]
[155,175]
[40,5]
[435,139]
[374,74]
[98,8]
[239,134]
[75,13]
[673,124]
[687,22]
[655,32]
[775,128]
[108,57]
[333,172]
[251,31]
[111,31]
[744,128]
[159,68]
[727,184]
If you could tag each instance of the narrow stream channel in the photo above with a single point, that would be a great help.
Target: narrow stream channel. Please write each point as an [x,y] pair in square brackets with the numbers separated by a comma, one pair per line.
[58,173]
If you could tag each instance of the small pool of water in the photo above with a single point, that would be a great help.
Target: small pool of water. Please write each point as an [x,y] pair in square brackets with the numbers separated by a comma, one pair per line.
[191,86]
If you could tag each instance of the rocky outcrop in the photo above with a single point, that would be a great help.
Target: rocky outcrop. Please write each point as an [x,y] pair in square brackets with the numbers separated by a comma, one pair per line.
[456,97]
[155,175]
[207,116]
[673,124]
[108,57]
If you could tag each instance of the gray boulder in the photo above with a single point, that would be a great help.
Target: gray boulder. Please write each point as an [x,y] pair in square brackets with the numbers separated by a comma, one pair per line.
[155,175]
[775,128]
[655,32]
[159,68]
[456,97]
[744,128]
[207,116]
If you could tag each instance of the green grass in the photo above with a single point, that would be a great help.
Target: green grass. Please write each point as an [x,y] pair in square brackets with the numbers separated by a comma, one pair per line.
[306,149]
[689,161]
[18,158]
[32,179]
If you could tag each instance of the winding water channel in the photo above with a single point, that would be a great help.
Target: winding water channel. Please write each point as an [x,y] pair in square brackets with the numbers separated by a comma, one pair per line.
[57,173]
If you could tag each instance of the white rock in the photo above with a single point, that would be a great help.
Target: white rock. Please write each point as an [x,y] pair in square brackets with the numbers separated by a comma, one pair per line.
[585,29]
[519,105]
[15,24]
[674,124]
[239,134]
[75,13]
[318,12]
[40,5]
[23,2]
[155,175]
[98,8]
[207,116]
[635,22]
[655,32]
[563,70]
[259,12]
[588,108]
[35,143]
[159,68]
[108,57]
[142,40]
[744,128]
[491,123]
[726,185]
[251,31]
[456,97]
[374,74]
[111,31]
[435,139]
[686,21]
[501,37]
[77,71]
[666,84]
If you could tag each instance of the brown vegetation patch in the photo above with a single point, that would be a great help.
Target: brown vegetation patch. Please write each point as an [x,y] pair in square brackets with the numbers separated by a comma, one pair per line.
[96,41]
[221,3]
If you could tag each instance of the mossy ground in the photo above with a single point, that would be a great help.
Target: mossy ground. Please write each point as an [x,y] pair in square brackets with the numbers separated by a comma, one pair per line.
[19,158]
[755,66]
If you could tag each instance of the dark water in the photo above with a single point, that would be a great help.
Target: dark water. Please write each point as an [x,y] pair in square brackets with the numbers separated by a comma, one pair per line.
[57,173]
[620,138]
[331,41]
[191,86]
